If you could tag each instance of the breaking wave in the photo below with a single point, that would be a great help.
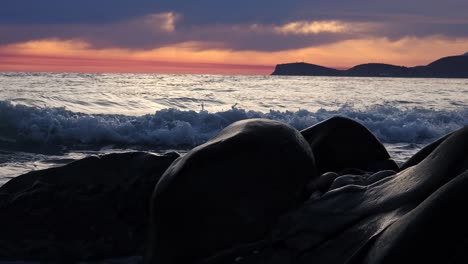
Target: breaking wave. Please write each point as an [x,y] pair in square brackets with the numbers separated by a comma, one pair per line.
[173,128]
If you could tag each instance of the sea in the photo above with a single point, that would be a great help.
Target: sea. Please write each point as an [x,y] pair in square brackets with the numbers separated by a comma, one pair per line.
[51,119]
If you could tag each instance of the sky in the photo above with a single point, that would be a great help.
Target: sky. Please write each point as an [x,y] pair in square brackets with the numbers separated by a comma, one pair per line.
[225,37]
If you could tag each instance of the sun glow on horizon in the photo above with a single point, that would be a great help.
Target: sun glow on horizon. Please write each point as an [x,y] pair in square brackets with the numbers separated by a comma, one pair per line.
[197,57]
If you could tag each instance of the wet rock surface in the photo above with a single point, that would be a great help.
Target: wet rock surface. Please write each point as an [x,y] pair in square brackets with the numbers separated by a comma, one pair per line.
[413,216]
[329,194]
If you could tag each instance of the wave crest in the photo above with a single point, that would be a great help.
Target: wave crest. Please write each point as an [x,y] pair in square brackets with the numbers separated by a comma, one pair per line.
[173,128]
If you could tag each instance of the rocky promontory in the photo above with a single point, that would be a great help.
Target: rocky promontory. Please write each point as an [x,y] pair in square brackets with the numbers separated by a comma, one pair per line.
[447,67]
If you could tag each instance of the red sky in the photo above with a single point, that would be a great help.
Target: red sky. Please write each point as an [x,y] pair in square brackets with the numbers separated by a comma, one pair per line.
[78,56]
[51,63]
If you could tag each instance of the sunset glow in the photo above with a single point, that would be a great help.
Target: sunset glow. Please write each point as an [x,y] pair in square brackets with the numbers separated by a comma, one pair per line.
[314,27]
[177,40]
[78,56]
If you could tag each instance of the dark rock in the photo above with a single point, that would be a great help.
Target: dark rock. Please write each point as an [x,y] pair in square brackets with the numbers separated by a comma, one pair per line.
[349,179]
[325,180]
[435,231]
[242,198]
[423,153]
[354,171]
[93,208]
[355,216]
[360,179]
[228,191]
[414,216]
[340,143]
[379,176]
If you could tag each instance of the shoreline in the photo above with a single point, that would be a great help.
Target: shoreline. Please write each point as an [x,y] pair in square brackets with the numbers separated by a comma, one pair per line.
[400,152]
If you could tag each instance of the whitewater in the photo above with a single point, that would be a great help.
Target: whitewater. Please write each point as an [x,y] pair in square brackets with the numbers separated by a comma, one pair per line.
[50,119]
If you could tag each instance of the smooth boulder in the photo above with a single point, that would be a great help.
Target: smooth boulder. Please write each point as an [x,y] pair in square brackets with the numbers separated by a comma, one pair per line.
[229,191]
[340,143]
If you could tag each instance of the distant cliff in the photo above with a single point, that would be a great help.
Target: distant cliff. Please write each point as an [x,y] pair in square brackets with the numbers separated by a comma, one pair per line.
[448,67]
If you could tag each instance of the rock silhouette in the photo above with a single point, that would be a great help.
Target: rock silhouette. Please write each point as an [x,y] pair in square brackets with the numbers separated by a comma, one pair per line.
[406,217]
[340,143]
[94,208]
[259,192]
[229,191]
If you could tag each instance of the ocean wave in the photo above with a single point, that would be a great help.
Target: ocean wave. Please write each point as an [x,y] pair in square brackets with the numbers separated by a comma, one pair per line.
[173,128]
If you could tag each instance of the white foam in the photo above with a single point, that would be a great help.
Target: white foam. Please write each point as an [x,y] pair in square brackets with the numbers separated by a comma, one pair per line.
[172,128]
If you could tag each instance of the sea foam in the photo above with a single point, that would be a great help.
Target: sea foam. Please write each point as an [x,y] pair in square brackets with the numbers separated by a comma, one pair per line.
[173,128]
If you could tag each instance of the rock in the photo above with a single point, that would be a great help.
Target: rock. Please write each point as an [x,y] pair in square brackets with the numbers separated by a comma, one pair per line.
[340,143]
[360,179]
[423,153]
[323,183]
[91,209]
[243,198]
[379,176]
[413,216]
[348,179]
[435,231]
[228,191]
[347,221]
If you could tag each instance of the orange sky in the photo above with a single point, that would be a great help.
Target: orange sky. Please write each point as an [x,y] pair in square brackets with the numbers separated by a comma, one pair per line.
[54,55]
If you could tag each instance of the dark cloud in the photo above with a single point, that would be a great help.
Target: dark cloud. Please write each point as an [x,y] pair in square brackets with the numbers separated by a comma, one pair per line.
[215,11]
[73,11]
[123,36]
[93,11]
[121,23]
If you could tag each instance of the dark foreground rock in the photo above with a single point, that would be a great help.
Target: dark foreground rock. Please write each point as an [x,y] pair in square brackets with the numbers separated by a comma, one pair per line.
[251,195]
[414,216]
[93,208]
[340,143]
[229,191]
